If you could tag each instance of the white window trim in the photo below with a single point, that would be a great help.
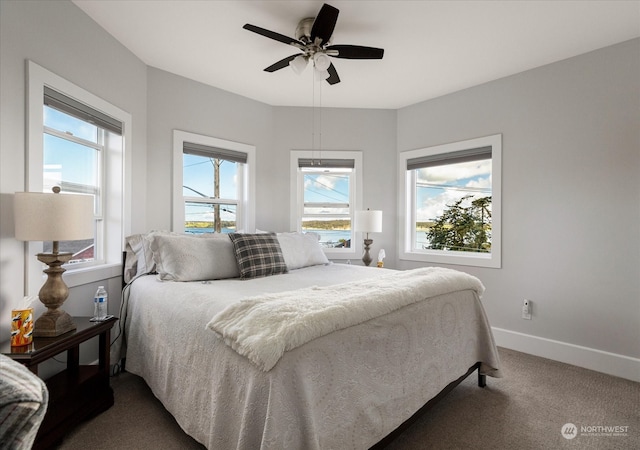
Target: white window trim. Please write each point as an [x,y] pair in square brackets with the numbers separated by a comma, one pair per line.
[38,77]
[247,220]
[296,196]
[406,206]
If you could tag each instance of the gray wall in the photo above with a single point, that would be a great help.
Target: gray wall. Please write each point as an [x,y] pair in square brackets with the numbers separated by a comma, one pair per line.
[571,193]
[178,103]
[370,131]
[63,39]
[175,102]
[571,166]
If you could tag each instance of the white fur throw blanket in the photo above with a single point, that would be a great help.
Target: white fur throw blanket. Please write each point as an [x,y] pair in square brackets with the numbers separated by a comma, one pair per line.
[262,328]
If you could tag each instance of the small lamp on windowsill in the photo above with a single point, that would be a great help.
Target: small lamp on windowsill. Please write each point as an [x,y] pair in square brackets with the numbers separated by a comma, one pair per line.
[53,217]
[368,222]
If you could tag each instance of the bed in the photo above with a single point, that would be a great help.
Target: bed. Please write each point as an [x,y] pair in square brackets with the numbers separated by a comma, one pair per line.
[344,386]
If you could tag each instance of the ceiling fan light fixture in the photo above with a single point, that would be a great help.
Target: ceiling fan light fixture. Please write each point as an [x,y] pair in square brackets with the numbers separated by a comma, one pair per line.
[321,61]
[298,64]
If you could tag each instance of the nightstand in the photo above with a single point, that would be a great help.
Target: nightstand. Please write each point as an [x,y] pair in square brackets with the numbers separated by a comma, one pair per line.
[77,393]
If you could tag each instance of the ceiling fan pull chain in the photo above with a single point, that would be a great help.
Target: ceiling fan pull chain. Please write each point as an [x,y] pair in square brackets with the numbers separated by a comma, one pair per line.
[320,125]
[313,120]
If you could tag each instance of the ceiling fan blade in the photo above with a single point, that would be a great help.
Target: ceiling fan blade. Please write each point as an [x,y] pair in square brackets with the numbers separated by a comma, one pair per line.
[324,24]
[281,64]
[333,75]
[273,35]
[356,52]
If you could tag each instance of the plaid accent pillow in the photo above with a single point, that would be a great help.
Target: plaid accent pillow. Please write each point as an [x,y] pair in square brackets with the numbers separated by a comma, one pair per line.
[258,255]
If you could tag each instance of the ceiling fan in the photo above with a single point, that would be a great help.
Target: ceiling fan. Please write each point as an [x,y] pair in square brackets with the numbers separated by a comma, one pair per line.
[313,38]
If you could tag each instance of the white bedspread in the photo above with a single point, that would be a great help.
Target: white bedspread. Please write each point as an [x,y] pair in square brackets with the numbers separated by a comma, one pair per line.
[344,390]
[262,328]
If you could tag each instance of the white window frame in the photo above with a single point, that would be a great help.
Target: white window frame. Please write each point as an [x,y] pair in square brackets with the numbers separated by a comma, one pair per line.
[116,189]
[355,196]
[406,206]
[245,213]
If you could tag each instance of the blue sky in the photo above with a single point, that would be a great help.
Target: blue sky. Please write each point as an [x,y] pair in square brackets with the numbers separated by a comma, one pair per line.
[198,175]
[65,160]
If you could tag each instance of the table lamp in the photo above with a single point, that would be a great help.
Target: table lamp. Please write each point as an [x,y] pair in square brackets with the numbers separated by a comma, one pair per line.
[368,222]
[53,217]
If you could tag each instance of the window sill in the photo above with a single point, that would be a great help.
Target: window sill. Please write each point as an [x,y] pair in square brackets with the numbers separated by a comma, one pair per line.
[459,258]
[86,275]
[339,254]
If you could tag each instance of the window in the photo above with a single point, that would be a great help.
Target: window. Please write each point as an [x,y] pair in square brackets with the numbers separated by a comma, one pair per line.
[74,145]
[78,141]
[325,194]
[213,182]
[451,205]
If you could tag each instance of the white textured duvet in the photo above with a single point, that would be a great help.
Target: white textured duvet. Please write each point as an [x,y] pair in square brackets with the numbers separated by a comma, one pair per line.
[347,389]
[262,328]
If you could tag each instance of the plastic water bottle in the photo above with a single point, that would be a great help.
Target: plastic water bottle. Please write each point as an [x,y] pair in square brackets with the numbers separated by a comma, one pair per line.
[100,304]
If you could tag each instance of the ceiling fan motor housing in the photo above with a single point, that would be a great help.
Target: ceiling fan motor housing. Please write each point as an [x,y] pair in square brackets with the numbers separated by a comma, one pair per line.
[303,30]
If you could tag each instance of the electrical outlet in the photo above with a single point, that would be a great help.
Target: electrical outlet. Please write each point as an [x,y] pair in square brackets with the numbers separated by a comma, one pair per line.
[526,309]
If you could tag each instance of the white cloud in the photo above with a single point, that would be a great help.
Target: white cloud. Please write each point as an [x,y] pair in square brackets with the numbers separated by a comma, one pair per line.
[322,182]
[433,207]
[450,173]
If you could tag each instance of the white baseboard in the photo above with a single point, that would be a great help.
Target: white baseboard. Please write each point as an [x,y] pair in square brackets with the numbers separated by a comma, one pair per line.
[589,358]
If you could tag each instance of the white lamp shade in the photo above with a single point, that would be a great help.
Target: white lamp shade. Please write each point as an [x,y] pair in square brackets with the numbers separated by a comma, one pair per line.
[42,216]
[368,221]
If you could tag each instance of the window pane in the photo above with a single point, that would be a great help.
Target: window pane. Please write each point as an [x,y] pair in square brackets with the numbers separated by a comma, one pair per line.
[71,166]
[199,175]
[334,233]
[209,218]
[326,187]
[453,207]
[69,124]
[326,206]
[74,168]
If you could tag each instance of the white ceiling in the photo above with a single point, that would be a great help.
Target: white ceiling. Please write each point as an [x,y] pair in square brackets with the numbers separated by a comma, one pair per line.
[431,47]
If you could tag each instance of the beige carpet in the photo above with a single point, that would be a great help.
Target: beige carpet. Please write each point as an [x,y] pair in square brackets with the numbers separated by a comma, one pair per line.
[524,410]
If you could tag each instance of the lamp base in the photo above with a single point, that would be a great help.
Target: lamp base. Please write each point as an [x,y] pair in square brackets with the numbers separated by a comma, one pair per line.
[52,323]
[53,293]
[366,258]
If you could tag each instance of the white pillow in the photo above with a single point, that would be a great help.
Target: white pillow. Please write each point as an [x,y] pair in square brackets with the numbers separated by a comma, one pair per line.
[130,269]
[301,250]
[187,258]
[144,258]
[140,245]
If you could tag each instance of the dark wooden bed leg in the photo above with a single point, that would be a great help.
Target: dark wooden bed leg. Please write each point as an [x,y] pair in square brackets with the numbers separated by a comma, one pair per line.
[482,379]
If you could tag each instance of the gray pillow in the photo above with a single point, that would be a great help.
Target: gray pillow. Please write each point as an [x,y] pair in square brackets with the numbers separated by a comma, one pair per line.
[189,258]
